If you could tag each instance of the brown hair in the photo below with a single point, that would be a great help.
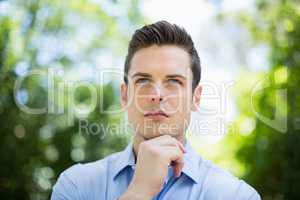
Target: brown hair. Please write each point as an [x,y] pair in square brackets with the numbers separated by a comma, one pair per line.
[164,33]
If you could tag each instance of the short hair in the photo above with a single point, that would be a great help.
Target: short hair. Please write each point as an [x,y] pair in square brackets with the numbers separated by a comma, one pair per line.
[164,33]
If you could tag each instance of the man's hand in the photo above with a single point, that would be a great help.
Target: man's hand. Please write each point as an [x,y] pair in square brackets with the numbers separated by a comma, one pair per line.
[154,158]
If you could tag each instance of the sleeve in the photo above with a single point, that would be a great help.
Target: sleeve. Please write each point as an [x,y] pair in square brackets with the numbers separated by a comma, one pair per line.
[247,192]
[64,189]
[255,196]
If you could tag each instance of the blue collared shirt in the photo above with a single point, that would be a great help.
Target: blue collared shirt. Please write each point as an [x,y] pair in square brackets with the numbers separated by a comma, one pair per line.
[108,179]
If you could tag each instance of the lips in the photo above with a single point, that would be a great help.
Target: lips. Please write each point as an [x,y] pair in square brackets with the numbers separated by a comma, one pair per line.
[156,113]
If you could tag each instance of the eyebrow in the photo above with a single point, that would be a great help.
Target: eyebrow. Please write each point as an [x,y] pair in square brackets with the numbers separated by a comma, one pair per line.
[149,75]
[141,74]
[176,76]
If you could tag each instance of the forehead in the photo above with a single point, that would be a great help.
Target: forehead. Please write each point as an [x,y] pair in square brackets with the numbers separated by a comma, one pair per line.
[161,60]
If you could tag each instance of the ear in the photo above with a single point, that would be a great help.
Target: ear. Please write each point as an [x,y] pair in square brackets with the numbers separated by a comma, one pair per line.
[124,95]
[196,98]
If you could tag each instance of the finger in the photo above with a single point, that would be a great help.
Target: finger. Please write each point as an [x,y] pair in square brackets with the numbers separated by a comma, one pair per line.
[178,165]
[178,168]
[182,147]
[173,154]
[175,158]
[167,140]
[174,141]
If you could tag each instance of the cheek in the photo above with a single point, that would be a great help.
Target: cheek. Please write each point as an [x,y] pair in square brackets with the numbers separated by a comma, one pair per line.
[134,117]
[138,105]
[179,103]
[141,103]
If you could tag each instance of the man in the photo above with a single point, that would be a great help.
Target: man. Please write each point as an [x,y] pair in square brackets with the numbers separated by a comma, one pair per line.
[160,90]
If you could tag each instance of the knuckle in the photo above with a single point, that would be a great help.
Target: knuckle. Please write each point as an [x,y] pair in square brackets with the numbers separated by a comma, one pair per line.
[174,141]
[167,136]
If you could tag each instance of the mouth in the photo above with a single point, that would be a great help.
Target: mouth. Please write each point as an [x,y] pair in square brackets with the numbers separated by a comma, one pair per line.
[156,115]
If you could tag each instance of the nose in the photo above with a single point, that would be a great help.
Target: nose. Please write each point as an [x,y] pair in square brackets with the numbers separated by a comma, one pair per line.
[159,94]
[156,99]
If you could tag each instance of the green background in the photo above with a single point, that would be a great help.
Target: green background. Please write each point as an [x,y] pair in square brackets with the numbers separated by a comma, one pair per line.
[34,149]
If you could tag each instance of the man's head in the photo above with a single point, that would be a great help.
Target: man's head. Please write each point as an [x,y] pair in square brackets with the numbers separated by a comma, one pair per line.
[162,73]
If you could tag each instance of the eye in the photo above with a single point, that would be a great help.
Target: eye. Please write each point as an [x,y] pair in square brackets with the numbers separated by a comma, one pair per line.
[142,80]
[175,81]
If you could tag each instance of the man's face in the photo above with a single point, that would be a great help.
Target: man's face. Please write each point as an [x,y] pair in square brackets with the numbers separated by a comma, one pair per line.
[159,96]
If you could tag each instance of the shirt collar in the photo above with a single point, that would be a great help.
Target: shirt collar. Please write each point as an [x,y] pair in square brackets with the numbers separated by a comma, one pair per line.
[191,166]
[192,161]
[124,159]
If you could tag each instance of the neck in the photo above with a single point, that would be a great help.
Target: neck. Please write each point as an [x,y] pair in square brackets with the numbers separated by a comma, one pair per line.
[138,139]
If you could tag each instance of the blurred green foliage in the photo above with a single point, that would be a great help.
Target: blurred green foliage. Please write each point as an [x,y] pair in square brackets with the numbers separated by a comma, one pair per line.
[269,150]
[39,35]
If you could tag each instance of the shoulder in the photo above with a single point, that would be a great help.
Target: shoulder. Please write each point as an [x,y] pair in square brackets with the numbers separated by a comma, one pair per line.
[224,185]
[90,172]
[79,180]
